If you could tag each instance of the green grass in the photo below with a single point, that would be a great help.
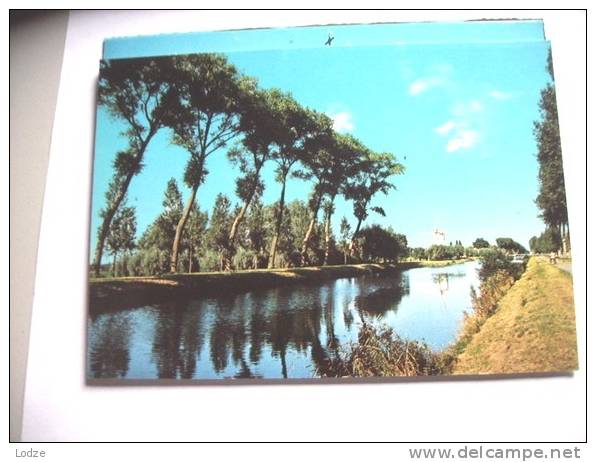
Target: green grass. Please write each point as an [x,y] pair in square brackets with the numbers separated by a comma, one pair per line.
[441,263]
[532,330]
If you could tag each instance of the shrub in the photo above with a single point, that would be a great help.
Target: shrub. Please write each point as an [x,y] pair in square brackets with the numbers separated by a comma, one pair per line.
[491,291]
[494,261]
[379,352]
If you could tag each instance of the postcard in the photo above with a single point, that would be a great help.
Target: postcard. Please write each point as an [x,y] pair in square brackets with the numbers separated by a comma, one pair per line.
[329,202]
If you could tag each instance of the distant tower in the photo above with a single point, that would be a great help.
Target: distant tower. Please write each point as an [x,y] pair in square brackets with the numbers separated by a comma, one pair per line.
[438,237]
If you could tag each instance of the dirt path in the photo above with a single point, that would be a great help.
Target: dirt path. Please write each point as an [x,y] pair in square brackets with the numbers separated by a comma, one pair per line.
[565,266]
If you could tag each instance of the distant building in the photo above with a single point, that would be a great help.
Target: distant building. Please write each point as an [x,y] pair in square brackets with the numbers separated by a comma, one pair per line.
[438,237]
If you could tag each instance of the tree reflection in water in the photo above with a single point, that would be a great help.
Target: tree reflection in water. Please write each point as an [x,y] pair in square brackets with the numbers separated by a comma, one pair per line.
[379,300]
[178,339]
[442,282]
[283,332]
[109,354]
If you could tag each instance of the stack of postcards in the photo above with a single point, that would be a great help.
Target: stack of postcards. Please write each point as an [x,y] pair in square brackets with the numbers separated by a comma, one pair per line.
[341,201]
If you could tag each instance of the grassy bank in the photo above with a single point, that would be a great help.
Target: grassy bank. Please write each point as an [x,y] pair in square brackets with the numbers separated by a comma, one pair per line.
[117,293]
[532,330]
[442,263]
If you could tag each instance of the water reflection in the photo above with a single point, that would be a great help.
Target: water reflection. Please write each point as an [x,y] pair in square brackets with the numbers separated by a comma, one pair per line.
[109,356]
[177,340]
[382,299]
[282,332]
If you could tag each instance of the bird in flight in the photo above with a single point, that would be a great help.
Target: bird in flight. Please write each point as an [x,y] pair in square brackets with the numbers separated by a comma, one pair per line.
[329,39]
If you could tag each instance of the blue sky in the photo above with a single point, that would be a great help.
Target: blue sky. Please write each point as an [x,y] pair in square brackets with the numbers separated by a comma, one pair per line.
[458,116]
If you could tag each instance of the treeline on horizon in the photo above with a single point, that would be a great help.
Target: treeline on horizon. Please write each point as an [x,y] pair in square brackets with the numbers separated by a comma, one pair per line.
[210,108]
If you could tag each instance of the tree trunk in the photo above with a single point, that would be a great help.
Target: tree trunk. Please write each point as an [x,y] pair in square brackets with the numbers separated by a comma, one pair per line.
[180,229]
[568,237]
[114,265]
[111,211]
[280,211]
[353,241]
[190,258]
[311,226]
[328,214]
[284,367]
[232,236]
[240,217]
[563,238]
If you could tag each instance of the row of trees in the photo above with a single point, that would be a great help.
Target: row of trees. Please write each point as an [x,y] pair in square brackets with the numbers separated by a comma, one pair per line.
[480,247]
[205,244]
[208,106]
[551,199]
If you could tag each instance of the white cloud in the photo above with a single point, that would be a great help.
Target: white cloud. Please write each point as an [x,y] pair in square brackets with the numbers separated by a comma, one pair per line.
[464,129]
[446,127]
[463,139]
[500,95]
[421,85]
[466,108]
[342,122]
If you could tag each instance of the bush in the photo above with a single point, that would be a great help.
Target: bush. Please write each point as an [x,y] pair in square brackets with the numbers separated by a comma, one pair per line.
[491,291]
[379,352]
[494,261]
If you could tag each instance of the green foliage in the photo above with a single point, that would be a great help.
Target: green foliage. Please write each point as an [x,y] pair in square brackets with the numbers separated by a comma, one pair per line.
[137,93]
[551,200]
[418,253]
[373,176]
[480,243]
[509,245]
[380,244]
[160,233]
[484,303]
[256,233]
[496,260]
[155,245]
[345,233]
[549,241]
[219,226]
[379,352]
[445,252]
[122,232]
[491,291]
[206,103]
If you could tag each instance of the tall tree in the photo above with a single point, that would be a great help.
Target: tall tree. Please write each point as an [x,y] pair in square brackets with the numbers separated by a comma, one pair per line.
[375,172]
[160,233]
[257,119]
[217,234]
[209,96]
[137,93]
[195,237]
[155,243]
[551,200]
[293,127]
[256,232]
[348,153]
[319,164]
[121,236]
[345,233]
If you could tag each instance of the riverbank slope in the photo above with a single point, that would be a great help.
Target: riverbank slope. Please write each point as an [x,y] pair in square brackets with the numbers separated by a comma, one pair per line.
[122,292]
[533,329]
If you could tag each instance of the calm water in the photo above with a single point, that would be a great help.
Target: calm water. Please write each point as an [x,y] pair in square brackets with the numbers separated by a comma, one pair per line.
[274,333]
